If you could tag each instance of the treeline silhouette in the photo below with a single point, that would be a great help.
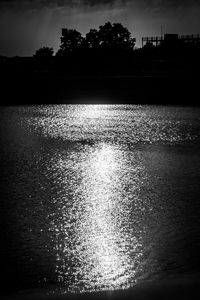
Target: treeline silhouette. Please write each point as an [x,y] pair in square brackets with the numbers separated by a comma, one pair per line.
[104,62]
[107,51]
[109,39]
[111,50]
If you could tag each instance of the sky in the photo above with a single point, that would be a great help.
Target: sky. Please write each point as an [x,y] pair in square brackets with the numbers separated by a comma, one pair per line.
[26,25]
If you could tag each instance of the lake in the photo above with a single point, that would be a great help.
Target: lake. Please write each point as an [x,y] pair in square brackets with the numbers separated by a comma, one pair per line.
[98,197]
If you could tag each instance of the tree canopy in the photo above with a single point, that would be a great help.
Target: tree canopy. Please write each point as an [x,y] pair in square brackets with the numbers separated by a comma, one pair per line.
[115,36]
[44,52]
[71,40]
[92,39]
[109,37]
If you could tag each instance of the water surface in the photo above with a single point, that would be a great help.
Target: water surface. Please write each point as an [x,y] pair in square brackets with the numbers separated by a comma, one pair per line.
[99,197]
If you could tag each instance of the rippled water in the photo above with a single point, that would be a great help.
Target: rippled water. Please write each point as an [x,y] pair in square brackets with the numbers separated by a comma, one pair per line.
[99,197]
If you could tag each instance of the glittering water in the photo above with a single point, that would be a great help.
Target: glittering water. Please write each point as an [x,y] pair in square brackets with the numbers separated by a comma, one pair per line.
[99,197]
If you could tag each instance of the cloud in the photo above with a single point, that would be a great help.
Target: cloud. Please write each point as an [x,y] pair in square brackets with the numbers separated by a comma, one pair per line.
[71,3]
[83,5]
[55,3]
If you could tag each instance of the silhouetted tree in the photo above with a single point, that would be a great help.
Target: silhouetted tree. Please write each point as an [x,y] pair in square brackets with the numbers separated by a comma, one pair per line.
[115,36]
[44,52]
[92,39]
[71,41]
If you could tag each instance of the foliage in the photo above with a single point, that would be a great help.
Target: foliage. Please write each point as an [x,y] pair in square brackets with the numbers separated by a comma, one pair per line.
[71,40]
[110,37]
[44,52]
[92,39]
[115,36]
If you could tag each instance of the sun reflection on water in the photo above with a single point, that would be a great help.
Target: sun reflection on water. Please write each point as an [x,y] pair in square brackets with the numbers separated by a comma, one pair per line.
[101,196]
[92,111]
[93,195]
[91,243]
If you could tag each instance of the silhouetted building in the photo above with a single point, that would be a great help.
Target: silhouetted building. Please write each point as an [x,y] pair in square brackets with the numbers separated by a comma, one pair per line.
[171,40]
[154,40]
[190,39]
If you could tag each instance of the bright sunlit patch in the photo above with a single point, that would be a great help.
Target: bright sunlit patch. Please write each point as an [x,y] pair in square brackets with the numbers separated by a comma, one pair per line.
[102,189]
[103,164]
[91,245]
[93,111]
[100,193]
[95,247]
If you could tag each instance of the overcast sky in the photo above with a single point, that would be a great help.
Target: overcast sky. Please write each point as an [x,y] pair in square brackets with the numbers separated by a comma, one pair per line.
[26,25]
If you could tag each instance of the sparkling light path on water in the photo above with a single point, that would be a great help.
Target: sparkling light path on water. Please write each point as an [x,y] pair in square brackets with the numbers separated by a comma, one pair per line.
[95,245]
[99,196]
[92,240]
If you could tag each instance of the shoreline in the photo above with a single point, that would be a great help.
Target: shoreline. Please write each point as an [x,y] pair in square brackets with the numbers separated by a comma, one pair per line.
[151,88]
[181,288]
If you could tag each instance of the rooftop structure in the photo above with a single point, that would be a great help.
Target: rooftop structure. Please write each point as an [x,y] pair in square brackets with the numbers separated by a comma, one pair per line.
[171,39]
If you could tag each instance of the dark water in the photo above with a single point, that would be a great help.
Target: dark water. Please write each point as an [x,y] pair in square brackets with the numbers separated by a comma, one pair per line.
[98,197]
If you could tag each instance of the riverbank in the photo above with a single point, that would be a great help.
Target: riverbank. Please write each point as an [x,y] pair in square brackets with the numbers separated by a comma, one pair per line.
[103,79]
[181,288]
[47,88]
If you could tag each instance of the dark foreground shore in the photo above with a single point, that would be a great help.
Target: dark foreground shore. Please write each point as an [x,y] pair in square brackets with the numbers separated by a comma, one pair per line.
[182,288]
[138,89]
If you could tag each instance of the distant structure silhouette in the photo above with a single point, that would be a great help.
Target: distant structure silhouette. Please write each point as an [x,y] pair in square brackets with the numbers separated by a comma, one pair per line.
[115,39]
[172,40]
[106,60]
